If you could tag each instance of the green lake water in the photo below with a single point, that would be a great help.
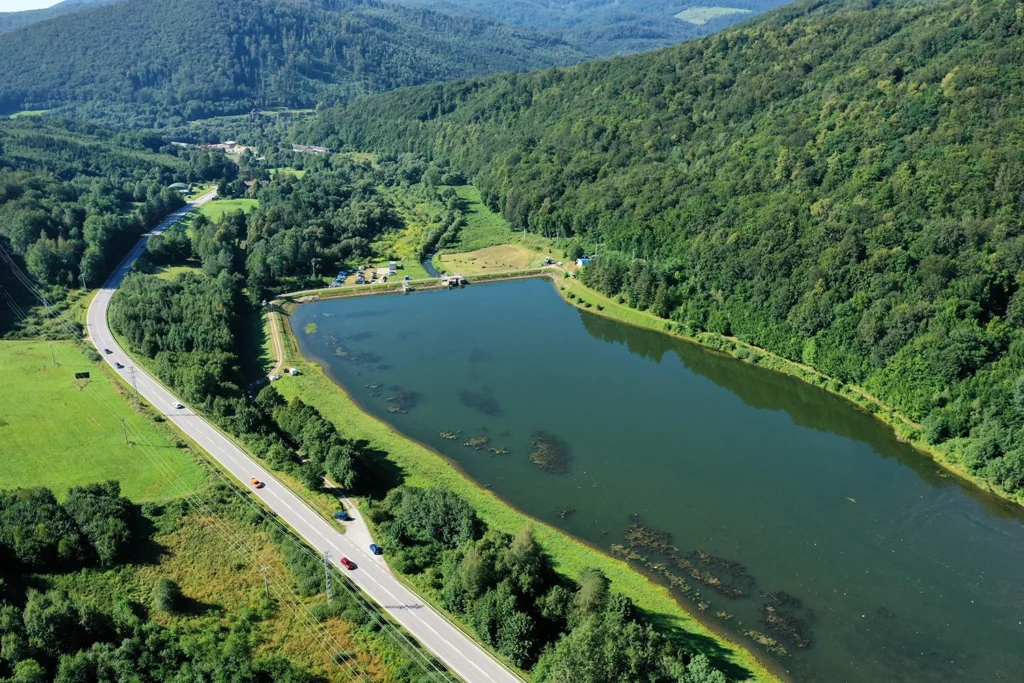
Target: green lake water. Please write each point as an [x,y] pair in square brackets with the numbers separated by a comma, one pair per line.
[876,565]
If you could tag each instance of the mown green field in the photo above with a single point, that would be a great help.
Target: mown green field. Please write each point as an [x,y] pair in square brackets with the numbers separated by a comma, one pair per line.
[297,172]
[702,15]
[218,207]
[422,467]
[171,272]
[58,432]
[30,112]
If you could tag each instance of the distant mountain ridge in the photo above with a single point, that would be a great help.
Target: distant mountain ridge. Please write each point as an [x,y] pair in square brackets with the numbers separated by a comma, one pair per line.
[146,62]
[10,21]
[608,27]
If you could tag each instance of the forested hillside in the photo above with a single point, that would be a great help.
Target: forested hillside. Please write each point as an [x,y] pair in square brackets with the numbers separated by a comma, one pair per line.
[612,27]
[841,185]
[75,197]
[145,62]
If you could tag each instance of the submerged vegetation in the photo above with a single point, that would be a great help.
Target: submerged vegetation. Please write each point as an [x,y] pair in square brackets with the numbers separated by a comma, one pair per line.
[550,453]
[482,401]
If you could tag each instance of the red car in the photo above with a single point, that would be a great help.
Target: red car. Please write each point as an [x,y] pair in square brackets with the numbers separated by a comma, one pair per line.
[347,563]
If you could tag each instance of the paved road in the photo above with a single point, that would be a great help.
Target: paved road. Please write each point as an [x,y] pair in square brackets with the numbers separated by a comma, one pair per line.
[460,653]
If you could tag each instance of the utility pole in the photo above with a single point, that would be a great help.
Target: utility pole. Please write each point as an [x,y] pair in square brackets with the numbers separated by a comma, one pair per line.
[135,387]
[327,577]
[313,262]
[84,287]
[125,429]
[52,358]
[266,580]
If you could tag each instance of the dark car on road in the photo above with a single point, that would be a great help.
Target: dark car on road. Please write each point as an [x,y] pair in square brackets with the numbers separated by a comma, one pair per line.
[107,351]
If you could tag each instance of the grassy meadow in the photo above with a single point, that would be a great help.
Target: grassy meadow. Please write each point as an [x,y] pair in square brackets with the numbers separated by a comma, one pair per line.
[60,432]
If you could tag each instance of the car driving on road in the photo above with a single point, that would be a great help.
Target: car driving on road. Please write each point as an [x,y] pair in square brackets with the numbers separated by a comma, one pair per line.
[256,483]
[347,563]
[107,351]
[118,366]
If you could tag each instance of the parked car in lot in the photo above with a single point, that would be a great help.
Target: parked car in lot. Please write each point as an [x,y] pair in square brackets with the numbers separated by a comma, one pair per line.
[256,483]
[341,516]
[347,563]
[376,549]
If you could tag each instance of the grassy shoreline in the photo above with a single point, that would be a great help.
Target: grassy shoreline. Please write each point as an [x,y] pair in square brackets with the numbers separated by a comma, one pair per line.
[422,466]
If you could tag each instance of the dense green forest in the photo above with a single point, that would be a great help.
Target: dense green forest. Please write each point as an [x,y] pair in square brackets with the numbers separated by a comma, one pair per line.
[158,62]
[607,27]
[75,197]
[10,21]
[843,186]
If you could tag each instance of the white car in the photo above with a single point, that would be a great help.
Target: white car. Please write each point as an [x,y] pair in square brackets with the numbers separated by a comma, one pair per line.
[178,405]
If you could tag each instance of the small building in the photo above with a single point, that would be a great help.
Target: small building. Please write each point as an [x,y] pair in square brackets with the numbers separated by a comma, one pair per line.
[453,280]
[310,149]
[178,187]
[580,262]
[392,266]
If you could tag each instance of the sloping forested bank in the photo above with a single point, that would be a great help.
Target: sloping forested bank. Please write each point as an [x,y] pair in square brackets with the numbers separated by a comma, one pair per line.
[843,187]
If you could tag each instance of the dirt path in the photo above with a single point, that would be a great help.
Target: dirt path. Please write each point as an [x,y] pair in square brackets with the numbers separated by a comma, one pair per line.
[275,339]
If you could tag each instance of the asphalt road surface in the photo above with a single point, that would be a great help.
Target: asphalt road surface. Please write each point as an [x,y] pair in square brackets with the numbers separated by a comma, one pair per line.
[460,654]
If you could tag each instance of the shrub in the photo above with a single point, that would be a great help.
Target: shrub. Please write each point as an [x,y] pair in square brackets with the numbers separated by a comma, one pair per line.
[166,595]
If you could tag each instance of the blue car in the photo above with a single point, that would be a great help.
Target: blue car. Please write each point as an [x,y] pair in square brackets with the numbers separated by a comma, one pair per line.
[341,516]
[376,549]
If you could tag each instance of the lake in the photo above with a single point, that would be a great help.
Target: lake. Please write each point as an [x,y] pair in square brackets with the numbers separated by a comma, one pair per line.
[793,516]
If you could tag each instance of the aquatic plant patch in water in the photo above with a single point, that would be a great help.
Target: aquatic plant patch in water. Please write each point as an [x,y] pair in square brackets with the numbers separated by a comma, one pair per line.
[786,618]
[403,402]
[482,401]
[550,453]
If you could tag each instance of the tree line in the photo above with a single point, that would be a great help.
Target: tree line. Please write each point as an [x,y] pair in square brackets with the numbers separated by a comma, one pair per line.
[839,185]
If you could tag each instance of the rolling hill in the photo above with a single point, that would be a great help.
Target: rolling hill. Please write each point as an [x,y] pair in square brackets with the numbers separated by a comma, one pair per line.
[146,62]
[839,183]
[613,27]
